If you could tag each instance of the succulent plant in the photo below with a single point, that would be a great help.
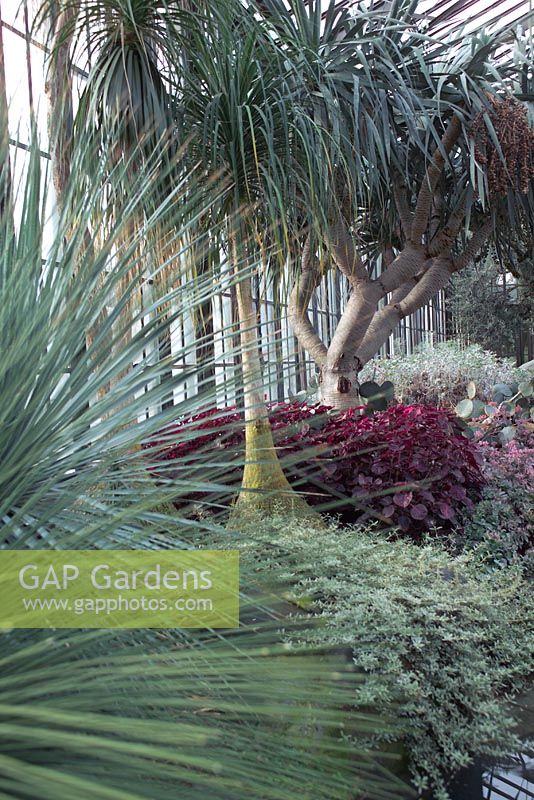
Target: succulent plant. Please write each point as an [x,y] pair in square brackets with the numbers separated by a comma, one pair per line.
[515,401]
[377,397]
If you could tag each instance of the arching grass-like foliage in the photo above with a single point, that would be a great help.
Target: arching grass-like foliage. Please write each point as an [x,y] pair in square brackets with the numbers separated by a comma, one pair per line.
[137,714]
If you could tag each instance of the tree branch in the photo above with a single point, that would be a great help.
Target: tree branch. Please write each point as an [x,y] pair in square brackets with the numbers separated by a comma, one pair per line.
[388,256]
[299,300]
[403,209]
[345,255]
[384,321]
[430,181]
[399,294]
[352,328]
[409,262]
[435,214]
[444,240]
[476,242]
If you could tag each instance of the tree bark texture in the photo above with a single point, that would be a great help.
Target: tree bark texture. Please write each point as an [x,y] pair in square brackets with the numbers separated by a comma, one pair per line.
[58,90]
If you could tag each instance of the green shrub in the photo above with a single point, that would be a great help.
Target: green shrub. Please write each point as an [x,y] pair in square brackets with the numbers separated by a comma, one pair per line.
[439,374]
[501,528]
[503,307]
[440,644]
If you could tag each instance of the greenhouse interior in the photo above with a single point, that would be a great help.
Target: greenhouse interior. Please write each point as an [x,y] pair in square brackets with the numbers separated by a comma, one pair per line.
[267,419]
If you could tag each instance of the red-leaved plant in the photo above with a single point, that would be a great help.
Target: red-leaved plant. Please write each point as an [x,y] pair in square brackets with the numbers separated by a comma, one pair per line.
[408,466]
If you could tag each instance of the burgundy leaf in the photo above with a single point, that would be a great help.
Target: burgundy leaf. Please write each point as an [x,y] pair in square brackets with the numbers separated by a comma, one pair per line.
[445,511]
[403,499]
[419,511]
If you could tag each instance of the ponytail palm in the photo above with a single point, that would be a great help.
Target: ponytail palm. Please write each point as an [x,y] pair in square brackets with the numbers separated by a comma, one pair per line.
[233,101]
[208,80]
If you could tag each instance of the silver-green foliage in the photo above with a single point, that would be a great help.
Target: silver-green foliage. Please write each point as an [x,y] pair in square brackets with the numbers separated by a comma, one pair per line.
[438,643]
[136,715]
[501,526]
[504,398]
[438,374]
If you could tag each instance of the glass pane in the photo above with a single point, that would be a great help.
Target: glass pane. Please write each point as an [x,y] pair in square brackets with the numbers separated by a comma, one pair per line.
[18,97]
[39,97]
[38,33]
[13,13]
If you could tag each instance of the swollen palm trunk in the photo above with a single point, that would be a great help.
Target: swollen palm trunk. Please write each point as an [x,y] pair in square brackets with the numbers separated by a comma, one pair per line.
[264,483]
